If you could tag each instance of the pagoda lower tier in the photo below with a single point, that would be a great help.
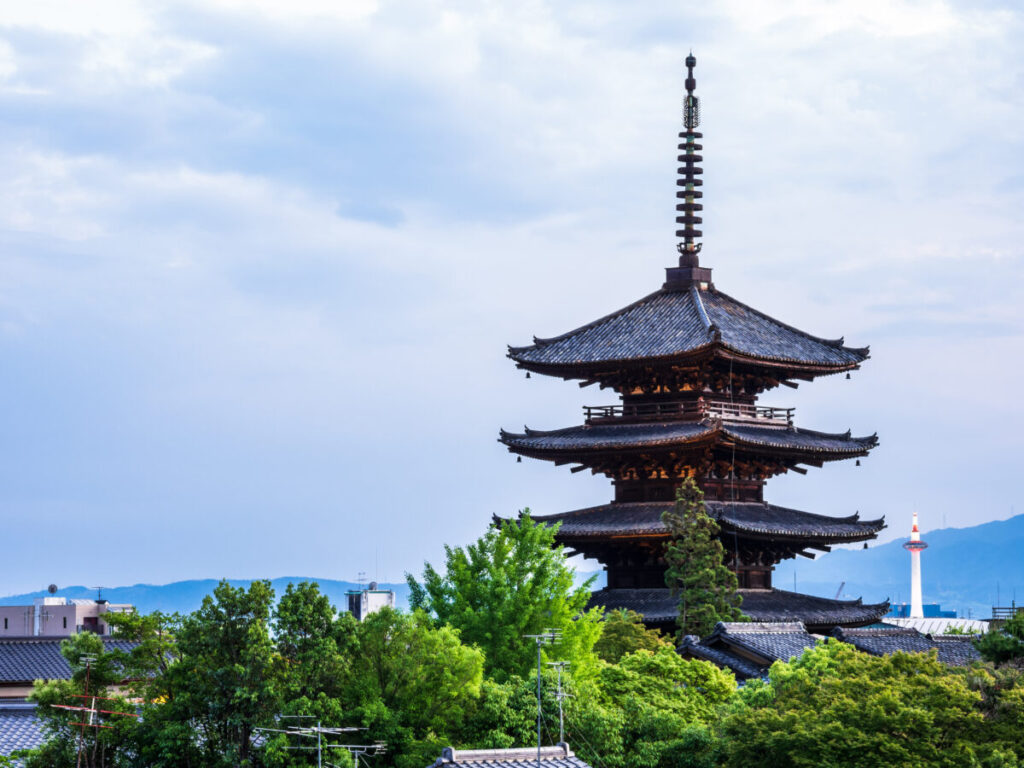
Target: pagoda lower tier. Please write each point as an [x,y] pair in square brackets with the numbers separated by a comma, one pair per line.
[820,615]
[629,538]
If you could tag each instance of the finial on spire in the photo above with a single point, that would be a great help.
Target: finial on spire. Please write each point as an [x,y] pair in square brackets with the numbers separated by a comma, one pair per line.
[689,271]
[689,170]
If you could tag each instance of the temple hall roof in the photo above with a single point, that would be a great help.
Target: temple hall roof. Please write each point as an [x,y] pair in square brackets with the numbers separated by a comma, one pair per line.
[658,606]
[669,434]
[957,650]
[670,324]
[754,518]
[749,648]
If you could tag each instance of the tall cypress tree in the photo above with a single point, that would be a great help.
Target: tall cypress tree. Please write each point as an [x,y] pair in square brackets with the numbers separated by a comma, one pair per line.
[696,565]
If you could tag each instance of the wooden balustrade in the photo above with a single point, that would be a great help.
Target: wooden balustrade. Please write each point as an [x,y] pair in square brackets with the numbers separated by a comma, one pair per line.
[689,410]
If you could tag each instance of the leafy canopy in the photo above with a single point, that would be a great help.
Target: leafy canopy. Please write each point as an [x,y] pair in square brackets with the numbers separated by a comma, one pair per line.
[623,632]
[511,582]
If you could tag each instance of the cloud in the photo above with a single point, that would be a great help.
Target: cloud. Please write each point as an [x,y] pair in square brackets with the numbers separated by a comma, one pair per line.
[260,261]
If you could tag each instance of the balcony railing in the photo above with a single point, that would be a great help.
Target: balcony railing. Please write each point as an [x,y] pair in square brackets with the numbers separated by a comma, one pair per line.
[689,410]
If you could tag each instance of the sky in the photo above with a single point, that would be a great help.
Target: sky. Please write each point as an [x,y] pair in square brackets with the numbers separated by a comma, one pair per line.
[260,261]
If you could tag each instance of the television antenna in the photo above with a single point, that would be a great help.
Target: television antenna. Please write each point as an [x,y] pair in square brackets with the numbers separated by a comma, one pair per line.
[547,637]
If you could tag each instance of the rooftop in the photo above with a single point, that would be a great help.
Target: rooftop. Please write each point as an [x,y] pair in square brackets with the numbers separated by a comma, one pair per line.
[19,728]
[754,518]
[673,434]
[24,659]
[749,648]
[668,325]
[658,606]
[957,650]
[558,756]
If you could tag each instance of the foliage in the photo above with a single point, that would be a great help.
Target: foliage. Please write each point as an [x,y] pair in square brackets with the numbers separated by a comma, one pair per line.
[696,570]
[624,632]
[837,706]
[227,681]
[511,582]
[64,740]
[412,683]
[1003,645]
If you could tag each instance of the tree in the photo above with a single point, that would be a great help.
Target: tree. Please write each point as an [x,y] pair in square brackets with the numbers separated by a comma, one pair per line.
[839,707]
[1004,645]
[316,645]
[227,681]
[623,632]
[511,582]
[412,683]
[94,671]
[696,565]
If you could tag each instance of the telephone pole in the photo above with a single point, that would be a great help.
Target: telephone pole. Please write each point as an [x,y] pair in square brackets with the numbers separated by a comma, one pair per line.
[547,637]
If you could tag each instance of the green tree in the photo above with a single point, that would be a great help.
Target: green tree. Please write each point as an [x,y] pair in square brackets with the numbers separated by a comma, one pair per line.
[839,707]
[696,565]
[317,647]
[623,632]
[411,683]
[1004,645]
[94,672]
[226,681]
[511,582]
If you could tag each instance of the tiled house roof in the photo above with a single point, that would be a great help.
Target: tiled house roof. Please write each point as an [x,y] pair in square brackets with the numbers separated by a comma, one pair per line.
[19,728]
[749,648]
[558,756]
[24,659]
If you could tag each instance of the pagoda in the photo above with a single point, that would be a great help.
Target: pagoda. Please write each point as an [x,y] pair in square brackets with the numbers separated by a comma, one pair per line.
[689,363]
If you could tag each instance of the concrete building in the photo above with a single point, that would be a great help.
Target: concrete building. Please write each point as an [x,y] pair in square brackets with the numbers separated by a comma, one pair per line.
[363,602]
[57,617]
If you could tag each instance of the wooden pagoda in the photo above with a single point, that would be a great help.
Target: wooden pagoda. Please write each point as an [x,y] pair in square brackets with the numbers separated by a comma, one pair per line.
[689,363]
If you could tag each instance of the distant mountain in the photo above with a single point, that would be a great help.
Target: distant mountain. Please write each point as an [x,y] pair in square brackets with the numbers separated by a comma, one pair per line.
[963,569]
[186,596]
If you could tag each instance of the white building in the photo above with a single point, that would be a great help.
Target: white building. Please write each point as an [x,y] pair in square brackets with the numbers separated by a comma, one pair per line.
[57,617]
[363,602]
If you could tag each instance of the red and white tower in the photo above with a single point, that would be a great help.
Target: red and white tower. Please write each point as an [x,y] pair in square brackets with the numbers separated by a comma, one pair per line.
[914,546]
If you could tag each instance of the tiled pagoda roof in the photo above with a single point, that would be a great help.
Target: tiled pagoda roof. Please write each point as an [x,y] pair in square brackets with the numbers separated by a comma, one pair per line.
[658,606]
[671,324]
[755,518]
[669,434]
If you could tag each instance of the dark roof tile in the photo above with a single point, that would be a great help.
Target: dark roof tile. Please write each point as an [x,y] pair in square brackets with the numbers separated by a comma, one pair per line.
[615,437]
[658,606]
[644,518]
[38,658]
[668,324]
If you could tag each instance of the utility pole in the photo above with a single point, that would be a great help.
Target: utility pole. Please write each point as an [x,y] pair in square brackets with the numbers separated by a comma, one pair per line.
[547,637]
[561,696]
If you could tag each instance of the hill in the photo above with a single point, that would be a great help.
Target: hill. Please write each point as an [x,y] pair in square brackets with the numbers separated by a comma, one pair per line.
[963,569]
[186,596]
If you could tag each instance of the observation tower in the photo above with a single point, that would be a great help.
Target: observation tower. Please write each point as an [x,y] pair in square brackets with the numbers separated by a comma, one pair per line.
[914,547]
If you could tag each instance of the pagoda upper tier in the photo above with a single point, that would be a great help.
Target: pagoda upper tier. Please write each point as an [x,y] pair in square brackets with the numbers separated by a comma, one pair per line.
[687,337]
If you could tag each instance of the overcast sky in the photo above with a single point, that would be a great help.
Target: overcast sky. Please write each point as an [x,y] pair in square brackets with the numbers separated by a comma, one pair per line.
[259,261]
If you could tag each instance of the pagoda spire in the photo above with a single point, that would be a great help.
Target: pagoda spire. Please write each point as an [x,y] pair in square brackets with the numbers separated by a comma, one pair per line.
[689,273]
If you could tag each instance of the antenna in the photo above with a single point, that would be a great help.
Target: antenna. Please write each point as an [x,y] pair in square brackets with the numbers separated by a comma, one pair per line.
[547,637]
[99,594]
[560,665]
[52,589]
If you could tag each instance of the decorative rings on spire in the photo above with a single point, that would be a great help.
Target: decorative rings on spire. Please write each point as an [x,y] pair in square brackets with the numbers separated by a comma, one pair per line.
[689,181]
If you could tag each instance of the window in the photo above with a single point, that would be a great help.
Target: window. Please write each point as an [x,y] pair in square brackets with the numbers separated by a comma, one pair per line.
[5,622]
[65,622]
